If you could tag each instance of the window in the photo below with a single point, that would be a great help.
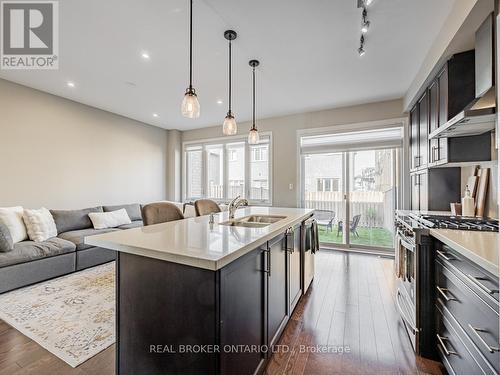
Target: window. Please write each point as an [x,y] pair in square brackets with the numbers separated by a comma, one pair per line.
[225,169]
[194,164]
[259,173]
[327,184]
[259,153]
[232,155]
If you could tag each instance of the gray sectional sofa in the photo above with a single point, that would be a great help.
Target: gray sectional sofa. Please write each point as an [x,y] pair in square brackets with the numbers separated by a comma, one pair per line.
[31,262]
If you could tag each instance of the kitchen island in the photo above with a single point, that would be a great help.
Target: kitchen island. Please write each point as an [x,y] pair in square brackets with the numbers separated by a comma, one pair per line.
[196,297]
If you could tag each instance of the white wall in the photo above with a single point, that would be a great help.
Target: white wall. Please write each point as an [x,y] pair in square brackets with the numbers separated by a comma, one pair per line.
[60,154]
[284,129]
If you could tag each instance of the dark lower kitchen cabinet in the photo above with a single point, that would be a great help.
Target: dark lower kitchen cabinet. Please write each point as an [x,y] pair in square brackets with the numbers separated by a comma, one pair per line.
[435,189]
[277,307]
[467,319]
[234,313]
[242,312]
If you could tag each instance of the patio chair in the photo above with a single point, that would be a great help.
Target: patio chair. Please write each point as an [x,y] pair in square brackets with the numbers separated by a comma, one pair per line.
[353,228]
[325,218]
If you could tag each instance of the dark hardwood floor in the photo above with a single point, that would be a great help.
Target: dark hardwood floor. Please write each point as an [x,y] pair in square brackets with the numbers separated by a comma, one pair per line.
[350,305]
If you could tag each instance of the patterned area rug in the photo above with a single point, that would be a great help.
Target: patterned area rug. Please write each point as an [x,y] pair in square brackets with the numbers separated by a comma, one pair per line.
[73,316]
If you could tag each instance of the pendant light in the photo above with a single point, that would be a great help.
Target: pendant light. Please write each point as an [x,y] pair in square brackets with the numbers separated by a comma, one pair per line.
[229,127]
[253,135]
[190,106]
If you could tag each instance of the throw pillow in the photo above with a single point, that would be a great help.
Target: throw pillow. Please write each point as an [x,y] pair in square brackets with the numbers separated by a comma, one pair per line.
[6,243]
[12,217]
[103,220]
[40,224]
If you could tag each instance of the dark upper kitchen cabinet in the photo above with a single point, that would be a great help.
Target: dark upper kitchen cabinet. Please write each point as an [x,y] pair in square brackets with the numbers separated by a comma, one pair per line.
[419,123]
[414,138]
[434,189]
[450,92]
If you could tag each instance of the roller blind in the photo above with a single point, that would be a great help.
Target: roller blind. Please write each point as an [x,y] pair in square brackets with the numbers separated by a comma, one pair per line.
[352,141]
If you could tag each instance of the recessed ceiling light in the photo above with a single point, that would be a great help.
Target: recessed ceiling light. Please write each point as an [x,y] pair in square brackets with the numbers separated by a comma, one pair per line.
[155,115]
[220,101]
[145,56]
[70,84]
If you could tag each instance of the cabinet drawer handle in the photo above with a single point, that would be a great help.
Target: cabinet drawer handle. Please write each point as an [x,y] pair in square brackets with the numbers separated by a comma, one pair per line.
[475,281]
[476,331]
[445,256]
[289,234]
[268,261]
[443,292]
[441,340]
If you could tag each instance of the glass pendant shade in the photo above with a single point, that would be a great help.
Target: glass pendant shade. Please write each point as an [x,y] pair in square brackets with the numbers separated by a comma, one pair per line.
[190,105]
[229,127]
[253,136]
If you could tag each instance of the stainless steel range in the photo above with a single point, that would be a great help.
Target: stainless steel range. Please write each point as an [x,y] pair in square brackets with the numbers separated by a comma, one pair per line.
[414,267]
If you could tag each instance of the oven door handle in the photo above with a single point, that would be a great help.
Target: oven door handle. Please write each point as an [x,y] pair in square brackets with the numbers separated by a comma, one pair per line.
[405,243]
[403,316]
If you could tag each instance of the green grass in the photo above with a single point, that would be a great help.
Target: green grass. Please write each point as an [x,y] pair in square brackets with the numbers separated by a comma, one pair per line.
[379,237]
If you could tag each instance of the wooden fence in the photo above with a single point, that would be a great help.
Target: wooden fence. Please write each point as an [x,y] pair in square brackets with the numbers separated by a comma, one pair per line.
[375,207]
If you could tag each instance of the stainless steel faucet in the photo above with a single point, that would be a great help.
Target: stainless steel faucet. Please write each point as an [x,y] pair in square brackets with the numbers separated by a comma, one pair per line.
[235,204]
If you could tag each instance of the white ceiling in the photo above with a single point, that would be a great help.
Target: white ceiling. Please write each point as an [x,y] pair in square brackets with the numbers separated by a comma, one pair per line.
[307,49]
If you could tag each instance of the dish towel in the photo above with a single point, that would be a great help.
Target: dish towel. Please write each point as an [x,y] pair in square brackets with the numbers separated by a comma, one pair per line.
[314,237]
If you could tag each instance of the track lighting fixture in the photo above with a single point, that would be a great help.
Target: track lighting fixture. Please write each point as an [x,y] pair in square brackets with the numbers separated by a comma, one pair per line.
[365,24]
[361,49]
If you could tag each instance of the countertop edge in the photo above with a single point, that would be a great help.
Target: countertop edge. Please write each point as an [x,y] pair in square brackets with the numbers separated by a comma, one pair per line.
[487,265]
[211,265]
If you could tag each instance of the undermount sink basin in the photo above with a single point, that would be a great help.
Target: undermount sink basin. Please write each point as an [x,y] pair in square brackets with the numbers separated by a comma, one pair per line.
[253,221]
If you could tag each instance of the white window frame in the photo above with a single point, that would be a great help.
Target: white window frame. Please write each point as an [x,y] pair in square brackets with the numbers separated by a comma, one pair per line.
[224,141]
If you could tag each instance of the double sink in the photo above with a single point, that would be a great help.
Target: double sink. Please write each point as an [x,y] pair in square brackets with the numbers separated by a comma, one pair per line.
[253,221]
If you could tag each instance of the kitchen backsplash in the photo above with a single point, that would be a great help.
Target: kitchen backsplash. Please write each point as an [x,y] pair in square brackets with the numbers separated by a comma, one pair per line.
[491,208]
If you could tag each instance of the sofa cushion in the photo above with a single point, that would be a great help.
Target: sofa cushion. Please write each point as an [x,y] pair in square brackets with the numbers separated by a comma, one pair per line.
[133,210]
[133,224]
[40,224]
[12,217]
[26,251]
[6,243]
[70,220]
[78,236]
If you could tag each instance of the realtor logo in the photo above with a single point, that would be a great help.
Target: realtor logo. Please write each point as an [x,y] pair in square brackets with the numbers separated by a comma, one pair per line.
[29,35]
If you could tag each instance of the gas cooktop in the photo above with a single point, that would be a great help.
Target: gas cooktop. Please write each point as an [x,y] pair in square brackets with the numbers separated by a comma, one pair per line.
[441,221]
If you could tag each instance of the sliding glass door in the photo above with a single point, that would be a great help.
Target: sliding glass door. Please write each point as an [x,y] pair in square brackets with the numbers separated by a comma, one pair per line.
[354,192]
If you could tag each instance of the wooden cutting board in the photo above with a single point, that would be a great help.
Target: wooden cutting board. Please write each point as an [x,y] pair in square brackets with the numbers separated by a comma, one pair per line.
[482,191]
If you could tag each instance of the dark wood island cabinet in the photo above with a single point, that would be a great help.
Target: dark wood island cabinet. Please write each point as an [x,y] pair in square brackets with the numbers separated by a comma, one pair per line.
[177,318]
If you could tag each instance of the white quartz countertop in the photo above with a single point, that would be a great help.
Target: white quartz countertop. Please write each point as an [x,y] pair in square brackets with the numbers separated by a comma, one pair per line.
[196,242]
[479,247]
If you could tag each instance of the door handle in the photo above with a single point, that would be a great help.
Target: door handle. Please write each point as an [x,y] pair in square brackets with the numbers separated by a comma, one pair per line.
[476,332]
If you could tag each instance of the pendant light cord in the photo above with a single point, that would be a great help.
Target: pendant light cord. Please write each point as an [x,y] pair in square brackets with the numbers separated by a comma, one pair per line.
[191,45]
[253,123]
[229,76]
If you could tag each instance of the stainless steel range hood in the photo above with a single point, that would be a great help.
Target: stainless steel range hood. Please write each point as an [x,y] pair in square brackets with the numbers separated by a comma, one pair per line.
[479,116]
